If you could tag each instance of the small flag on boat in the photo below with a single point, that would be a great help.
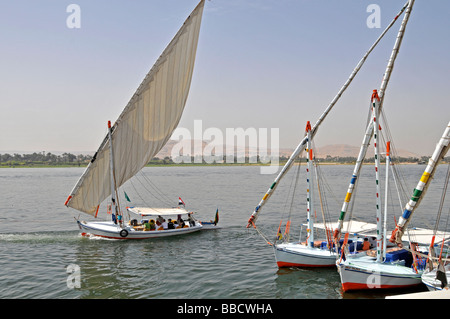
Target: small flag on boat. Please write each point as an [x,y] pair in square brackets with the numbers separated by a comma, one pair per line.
[279,235]
[180,201]
[126,197]
[216,219]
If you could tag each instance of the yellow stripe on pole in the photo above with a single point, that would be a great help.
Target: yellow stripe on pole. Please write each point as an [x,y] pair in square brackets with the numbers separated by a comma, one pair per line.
[347,197]
[425,177]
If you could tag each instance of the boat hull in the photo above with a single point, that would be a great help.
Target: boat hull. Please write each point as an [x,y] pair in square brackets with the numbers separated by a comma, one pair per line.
[298,255]
[368,274]
[111,230]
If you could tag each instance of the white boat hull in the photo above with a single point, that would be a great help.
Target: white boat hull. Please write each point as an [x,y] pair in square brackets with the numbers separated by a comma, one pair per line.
[113,231]
[365,273]
[299,255]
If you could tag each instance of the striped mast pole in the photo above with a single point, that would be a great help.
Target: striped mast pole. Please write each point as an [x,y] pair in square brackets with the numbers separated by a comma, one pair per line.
[369,129]
[309,202]
[388,161]
[376,131]
[302,144]
[421,188]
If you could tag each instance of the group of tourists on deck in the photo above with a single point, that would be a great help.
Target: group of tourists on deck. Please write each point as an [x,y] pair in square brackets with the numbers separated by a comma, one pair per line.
[163,224]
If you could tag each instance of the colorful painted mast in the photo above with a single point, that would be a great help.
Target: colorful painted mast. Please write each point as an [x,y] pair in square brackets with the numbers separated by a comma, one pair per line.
[309,199]
[386,191]
[370,128]
[376,132]
[421,188]
[302,144]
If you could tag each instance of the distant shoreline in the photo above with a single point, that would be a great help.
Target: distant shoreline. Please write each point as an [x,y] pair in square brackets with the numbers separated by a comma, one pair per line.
[76,165]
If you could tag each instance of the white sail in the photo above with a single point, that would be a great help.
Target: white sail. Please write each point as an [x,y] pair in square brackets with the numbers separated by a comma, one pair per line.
[146,123]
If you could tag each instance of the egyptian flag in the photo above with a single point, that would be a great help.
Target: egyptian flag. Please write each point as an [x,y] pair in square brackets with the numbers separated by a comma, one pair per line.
[180,201]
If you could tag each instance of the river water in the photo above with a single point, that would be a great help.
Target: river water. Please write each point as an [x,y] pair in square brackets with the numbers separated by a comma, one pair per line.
[40,242]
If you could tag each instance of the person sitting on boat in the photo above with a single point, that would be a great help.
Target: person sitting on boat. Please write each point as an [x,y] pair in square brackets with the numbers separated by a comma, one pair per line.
[366,244]
[170,224]
[180,222]
[160,219]
[191,220]
[164,224]
[149,225]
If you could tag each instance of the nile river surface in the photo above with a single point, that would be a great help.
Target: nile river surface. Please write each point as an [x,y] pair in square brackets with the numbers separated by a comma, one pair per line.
[39,237]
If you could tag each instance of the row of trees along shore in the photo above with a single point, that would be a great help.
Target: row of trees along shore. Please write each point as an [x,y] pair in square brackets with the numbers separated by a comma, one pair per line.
[43,159]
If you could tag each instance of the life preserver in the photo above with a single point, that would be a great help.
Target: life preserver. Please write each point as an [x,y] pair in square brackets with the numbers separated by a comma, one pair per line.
[123,233]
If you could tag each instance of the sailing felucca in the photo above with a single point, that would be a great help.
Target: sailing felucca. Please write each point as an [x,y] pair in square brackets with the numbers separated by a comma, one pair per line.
[142,129]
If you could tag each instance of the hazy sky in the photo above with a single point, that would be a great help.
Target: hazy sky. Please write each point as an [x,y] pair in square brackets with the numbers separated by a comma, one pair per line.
[260,63]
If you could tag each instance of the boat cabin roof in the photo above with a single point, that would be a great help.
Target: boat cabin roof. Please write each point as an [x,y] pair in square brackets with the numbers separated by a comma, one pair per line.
[149,211]
[424,236]
[352,227]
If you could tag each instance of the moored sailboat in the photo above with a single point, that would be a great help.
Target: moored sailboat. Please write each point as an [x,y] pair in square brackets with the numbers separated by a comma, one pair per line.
[312,252]
[308,253]
[384,267]
[402,267]
[142,129]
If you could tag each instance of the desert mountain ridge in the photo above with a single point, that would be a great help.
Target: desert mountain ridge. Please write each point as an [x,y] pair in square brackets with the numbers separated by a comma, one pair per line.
[341,150]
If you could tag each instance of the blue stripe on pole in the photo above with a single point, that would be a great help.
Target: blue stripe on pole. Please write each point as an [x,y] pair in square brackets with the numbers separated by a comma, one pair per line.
[406,214]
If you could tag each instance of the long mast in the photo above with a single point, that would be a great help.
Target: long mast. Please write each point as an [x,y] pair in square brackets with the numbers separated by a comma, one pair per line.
[421,188]
[388,162]
[114,208]
[302,144]
[309,198]
[376,137]
[369,129]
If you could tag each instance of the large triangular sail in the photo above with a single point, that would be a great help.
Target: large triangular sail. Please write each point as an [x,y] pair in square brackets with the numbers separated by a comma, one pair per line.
[146,123]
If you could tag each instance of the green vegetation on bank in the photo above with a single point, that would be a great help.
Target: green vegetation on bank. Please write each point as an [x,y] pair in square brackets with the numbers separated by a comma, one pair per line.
[70,160]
